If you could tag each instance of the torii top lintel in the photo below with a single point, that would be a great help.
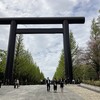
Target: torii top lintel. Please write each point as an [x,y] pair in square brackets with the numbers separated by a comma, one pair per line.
[43,20]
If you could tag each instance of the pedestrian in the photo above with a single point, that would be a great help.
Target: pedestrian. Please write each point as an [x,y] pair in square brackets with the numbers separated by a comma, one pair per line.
[55,85]
[61,84]
[48,84]
[73,81]
[17,83]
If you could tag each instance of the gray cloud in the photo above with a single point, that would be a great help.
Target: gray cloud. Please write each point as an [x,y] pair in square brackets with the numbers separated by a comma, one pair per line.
[4,36]
[46,50]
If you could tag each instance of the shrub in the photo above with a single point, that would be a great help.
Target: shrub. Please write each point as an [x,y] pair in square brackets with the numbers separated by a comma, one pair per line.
[92,82]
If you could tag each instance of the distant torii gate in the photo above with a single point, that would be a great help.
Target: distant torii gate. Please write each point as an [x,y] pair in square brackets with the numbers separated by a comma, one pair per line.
[65,21]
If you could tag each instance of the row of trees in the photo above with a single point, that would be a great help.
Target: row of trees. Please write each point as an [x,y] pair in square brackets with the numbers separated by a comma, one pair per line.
[25,69]
[86,62]
[60,71]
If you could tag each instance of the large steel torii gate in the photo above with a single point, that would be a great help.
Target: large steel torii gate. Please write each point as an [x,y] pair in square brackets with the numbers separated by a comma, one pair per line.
[65,21]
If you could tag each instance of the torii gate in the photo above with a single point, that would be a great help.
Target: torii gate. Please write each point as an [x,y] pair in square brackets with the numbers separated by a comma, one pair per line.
[65,21]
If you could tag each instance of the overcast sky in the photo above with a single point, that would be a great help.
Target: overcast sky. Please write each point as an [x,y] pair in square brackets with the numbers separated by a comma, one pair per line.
[46,49]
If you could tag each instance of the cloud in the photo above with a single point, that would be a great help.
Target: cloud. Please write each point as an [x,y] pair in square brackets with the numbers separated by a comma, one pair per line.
[46,49]
[4,36]
[89,10]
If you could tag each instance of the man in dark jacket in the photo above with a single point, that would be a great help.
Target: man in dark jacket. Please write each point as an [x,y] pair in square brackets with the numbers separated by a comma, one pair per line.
[48,84]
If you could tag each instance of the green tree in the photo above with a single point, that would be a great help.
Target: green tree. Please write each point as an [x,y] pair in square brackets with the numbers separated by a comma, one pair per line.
[89,73]
[78,72]
[60,71]
[84,72]
[3,55]
[42,76]
[93,50]
[74,48]
[24,66]
[19,50]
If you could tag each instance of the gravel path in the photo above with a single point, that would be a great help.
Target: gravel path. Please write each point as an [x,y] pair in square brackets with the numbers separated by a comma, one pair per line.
[38,92]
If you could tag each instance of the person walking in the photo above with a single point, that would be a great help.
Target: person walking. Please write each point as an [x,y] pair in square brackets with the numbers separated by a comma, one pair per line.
[61,84]
[55,85]
[17,83]
[48,84]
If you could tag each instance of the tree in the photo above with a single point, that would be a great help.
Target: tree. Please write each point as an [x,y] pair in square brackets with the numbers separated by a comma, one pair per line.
[60,71]
[78,72]
[3,55]
[89,73]
[24,66]
[84,72]
[74,48]
[93,50]
[25,69]
[19,50]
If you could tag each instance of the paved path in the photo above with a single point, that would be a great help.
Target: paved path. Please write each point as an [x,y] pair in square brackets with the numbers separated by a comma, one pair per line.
[84,93]
[38,92]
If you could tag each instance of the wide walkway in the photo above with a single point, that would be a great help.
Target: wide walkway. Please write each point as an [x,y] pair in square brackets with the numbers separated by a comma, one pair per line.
[84,93]
[38,92]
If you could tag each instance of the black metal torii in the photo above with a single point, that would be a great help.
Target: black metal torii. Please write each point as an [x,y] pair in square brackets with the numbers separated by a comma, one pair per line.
[65,21]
